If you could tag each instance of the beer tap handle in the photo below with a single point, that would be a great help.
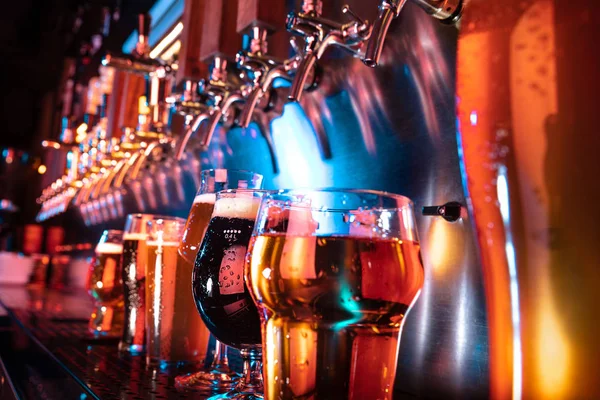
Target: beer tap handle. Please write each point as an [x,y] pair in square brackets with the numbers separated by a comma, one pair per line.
[142,47]
[347,10]
[451,212]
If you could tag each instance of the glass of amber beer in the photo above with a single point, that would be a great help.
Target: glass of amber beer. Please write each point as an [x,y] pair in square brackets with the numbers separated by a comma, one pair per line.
[175,334]
[106,286]
[134,282]
[333,273]
[218,377]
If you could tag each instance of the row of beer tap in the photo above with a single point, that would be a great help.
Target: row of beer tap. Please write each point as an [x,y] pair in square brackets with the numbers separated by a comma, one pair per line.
[155,166]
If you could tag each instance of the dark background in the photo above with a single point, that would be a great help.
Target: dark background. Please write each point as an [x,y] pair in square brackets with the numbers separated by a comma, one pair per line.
[35,38]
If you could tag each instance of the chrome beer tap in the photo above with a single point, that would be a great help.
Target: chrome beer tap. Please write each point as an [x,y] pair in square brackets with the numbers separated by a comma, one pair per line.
[223,88]
[266,70]
[320,33]
[447,11]
[195,111]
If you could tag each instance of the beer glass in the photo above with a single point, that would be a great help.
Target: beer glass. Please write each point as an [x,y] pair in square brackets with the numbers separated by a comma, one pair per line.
[106,287]
[218,285]
[218,377]
[334,274]
[175,333]
[134,279]
[527,79]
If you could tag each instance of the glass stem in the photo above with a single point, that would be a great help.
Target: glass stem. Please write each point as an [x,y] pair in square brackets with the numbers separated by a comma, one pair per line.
[220,361]
[252,379]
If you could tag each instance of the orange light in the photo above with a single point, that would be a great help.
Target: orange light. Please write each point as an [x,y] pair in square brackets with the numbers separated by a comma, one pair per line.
[41,169]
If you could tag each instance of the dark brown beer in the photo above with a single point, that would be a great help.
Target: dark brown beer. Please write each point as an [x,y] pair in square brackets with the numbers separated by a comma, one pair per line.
[341,303]
[218,279]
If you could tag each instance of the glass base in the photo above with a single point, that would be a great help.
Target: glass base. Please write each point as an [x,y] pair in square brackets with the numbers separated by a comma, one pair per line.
[214,381]
[238,395]
[132,349]
[106,321]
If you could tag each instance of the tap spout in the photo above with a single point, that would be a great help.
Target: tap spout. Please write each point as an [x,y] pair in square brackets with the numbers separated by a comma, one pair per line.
[304,68]
[388,11]
[191,130]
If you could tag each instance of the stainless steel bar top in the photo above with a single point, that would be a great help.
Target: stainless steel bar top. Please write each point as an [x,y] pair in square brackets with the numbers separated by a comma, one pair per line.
[49,353]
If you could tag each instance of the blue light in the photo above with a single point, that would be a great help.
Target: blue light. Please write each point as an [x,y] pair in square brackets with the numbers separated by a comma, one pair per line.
[164,14]
[298,152]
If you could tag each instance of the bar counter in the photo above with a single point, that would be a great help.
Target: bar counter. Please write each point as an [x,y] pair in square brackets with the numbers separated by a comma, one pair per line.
[48,353]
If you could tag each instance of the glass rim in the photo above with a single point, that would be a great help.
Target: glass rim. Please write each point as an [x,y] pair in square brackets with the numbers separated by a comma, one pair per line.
[244,190]
[246,171]
[165,218]
[112,231]
[404,201]
[154,216]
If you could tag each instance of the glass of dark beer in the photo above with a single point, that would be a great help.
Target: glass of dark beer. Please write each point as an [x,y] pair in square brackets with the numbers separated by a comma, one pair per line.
[219,289]
[218,377]
[334,274]
[134,261]
[175,334]
[106,286]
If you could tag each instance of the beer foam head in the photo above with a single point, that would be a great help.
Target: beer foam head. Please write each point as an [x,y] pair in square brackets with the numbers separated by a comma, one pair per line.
[109,248]
[135,236]
[237,207]
[208,198]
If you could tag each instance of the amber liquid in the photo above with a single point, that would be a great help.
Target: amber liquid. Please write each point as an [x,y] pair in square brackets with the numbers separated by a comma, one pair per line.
[175,331]
[333,309]
[105,285]
[134,280]
[527,80]
[195,227]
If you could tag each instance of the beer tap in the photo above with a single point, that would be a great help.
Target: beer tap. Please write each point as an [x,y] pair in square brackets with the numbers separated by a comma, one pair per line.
[195,112]
[448,11]
[266,70]
[223,88]
[320,33]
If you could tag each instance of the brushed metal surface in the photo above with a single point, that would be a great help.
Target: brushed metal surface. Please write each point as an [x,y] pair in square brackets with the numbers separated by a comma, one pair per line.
[392,128]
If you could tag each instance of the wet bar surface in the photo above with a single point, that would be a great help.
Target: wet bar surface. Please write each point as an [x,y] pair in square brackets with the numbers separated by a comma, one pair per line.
[55,323]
